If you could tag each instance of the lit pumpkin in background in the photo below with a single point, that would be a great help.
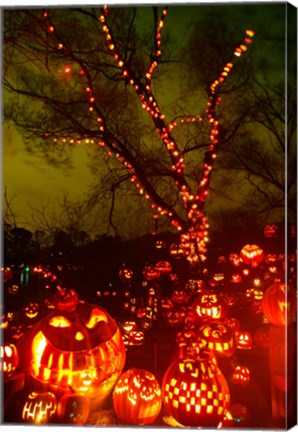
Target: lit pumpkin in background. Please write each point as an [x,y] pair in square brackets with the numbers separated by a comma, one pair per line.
[164,267]
[262,336]
[125,274]
[9,359]
[252,254]
[244,340]
[73,408]
[209,305]
[150,273]
[65,299]
[180,296]
[194,286]
[174,317]
[137,397]
[80,349]
[271,230]
[218,337]
[235,259]
[195,392]
[176,251]
[232,323]
[279,304]
[241,375]
[160,244]
[236,278]
[39,408]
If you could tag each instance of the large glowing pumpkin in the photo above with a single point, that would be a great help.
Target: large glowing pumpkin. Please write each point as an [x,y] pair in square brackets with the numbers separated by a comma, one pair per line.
[217,337]
[279,304]
[79,350]
[137,397]
[195,392]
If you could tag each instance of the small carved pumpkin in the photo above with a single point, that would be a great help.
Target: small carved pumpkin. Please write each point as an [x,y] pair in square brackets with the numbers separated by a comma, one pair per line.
[39,408]
[65,299]
[241,375]
[137,397]
[9,359]
[174,317]
[252,254]
[164,267]
[244,340]
[150,273]
[271,230]
[209,305]
[125,274]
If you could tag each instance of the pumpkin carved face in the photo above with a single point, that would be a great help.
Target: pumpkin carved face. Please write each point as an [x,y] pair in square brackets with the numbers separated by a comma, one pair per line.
[81,349]
[241,375]
[244,340]
[174,317]
[8,359]
[194,391]
[209,305]
[125,274]
[218,337]
[252,254]
[39,407]
[164,267]
[151,273]
[137,397]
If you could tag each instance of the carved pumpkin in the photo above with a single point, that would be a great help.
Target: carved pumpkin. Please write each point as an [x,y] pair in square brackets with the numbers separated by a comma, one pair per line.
[174,317]
[194,286]
[39,408]
[241,375]
[164,267]
[235,259]
[244,340]
[65,299]
[195,392]
[150,272]
[180,296]
[218,337]
[7,273]
[73,408]
[176,251]
[9,359]
[252,254]
[125,274]
[262,337]
[13,289]
[279,304]
[81,349]
[209,305]
[137,397]
[160,244]
[236,278]
[271,230]
[166,304]
[136,338]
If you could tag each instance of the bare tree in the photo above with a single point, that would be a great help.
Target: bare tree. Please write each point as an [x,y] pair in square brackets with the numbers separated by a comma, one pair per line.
[89,84]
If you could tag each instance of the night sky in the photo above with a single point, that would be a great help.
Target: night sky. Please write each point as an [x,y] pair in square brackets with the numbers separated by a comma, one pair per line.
[31,180]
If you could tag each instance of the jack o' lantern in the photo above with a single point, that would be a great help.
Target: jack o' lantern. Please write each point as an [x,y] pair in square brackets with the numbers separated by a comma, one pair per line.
[218,337]
[173,317]
[262,336]
[236,278]
[65,299]
[271,258]
[137,397]
[252,254]
[241,375]
[194,286]
[195,392]
[39,408]
[271,230]
[244,340]
[176,251]
[150,273]
[80,349]
[279,304]
[209,305]
[73,408]
[9,359]
[125,274]
[13,289]
[235,259]
[136,338]
[160,244]
[166,304]
[180,296]
[164,267]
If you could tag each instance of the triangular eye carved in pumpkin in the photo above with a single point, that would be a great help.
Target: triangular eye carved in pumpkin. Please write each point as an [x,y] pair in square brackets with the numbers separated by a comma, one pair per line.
[60,321]
[96,316]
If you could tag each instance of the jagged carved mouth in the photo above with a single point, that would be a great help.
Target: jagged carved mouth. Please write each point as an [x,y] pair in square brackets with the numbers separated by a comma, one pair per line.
[212,312]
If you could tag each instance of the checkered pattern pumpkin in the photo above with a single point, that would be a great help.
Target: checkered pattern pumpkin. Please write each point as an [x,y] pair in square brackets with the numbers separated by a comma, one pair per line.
[195,392]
